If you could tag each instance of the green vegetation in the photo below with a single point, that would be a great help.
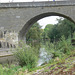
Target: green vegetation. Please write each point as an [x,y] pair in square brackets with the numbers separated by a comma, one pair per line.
[34,34]
[26,56]
[8,71]
[59,44]
[60,48]
[63,27]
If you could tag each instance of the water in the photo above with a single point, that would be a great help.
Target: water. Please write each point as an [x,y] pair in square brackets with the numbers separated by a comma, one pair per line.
[43,57]
[8,60]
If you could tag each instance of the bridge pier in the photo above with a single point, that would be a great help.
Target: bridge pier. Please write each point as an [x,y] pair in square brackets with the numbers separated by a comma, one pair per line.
[21,39]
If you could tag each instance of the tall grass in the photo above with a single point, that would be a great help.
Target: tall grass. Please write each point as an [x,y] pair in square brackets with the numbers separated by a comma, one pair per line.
[5,70]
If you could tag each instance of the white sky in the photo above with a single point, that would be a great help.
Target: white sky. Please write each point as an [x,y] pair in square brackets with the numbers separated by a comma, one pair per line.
[48,20]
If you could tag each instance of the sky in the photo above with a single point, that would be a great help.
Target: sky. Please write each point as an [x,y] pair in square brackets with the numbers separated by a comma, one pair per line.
[43,22]
[48,20]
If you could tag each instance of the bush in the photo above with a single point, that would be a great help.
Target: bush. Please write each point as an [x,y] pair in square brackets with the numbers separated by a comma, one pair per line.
[58,49]
[6,71]
[26,56]
[65,46]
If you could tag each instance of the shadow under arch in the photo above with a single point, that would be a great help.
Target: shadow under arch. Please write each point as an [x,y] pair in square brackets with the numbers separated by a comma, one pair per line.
[27,26]
[0,45]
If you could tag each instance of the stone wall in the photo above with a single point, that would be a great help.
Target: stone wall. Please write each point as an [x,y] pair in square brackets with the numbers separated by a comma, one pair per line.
[8,39]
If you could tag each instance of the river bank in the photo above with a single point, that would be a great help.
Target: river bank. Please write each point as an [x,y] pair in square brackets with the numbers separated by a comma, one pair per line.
[64,66]
[57,66]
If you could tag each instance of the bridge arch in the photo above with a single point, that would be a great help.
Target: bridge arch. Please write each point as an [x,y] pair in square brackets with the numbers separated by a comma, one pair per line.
[28,24]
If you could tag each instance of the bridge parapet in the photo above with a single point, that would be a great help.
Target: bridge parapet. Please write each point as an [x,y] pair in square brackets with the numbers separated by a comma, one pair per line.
[36,4]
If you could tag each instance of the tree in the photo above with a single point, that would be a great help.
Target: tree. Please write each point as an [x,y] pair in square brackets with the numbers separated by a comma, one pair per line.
[34,33]
[63,27]
[54,34]
[47,30]
[66,27]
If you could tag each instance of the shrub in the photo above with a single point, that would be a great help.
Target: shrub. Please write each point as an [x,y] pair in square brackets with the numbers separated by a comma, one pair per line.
[26,56]
[58,49]
[6,71]
[64,45]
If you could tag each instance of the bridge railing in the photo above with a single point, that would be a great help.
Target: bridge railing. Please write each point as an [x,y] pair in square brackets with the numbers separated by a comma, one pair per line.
[37,4]
[9,1]
[38,0]
[43,0]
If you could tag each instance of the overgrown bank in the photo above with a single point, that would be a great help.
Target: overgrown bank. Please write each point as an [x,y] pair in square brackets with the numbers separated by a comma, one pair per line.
[63,66]
[63,60]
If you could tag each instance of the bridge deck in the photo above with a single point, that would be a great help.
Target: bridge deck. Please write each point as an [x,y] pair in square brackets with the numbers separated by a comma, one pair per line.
[36,4]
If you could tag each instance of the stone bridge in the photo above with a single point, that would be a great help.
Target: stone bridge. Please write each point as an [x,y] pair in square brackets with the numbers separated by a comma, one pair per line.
[19,17]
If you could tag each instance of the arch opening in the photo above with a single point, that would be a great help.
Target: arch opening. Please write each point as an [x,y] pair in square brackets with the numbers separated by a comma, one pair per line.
[27,26]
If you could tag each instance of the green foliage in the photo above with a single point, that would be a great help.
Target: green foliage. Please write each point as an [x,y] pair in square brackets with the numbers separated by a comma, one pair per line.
[1,70]
[13,70]
[26,56]
[65,46]
[36,46]
[60,48]
[52,49]
[63,27]
[34,33]
[7,71]
[47,29]
[24,68]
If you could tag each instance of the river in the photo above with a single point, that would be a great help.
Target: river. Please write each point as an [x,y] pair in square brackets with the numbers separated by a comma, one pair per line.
[43,57]
[8,60]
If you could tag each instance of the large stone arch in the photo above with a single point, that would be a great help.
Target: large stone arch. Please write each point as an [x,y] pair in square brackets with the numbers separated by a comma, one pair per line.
[29,23]
[19,17]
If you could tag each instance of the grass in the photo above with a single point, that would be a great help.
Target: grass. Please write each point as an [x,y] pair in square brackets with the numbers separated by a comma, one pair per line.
[18,70]
[13,70]
[66,63]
